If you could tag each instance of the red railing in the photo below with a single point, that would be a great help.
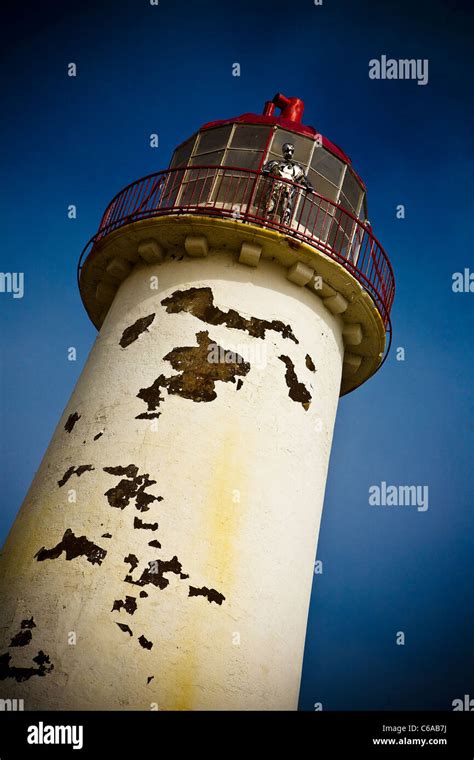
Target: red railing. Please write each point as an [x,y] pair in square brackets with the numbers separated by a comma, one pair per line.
[250,196]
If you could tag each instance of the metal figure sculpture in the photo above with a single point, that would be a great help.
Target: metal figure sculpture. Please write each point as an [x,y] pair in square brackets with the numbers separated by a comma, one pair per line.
[282,194]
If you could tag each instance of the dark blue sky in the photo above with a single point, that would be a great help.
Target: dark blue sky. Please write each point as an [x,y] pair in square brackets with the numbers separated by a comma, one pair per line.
[167,69]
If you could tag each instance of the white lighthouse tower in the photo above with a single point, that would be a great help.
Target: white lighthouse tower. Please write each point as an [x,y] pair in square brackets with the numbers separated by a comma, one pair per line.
[163,557]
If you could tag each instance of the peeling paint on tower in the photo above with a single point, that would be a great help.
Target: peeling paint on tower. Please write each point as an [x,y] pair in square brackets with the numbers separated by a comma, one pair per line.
[186,476]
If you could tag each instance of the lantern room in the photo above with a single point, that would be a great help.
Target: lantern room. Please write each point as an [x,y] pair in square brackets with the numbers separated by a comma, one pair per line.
[220,168]
[250,140]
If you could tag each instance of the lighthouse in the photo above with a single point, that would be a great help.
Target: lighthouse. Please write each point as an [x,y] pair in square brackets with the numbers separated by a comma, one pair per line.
[163,557]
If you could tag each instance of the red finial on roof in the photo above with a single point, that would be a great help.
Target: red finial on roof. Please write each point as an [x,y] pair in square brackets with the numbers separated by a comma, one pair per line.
[291,108]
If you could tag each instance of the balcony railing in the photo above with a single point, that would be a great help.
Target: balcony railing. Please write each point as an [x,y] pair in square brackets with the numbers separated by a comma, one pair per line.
[249,196]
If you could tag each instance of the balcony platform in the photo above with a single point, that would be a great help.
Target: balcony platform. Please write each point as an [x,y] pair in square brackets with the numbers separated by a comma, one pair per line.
[178,235]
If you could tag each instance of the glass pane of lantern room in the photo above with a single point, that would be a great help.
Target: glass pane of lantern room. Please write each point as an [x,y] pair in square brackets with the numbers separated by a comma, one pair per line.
[340,235]
[208,159]
[322,186]
[245,159]
[314,216]
[327,165]
[213,139]
[168,191]
[198,180]
[197,191]
[250,137]
[343,201]
[233,189]
[182,153]
[352,190]
[303,146]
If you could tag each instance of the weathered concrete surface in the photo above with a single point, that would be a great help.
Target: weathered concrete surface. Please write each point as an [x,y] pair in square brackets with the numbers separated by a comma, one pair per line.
[173,565]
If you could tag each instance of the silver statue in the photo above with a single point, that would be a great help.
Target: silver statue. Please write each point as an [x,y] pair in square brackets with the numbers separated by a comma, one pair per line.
[282,194]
